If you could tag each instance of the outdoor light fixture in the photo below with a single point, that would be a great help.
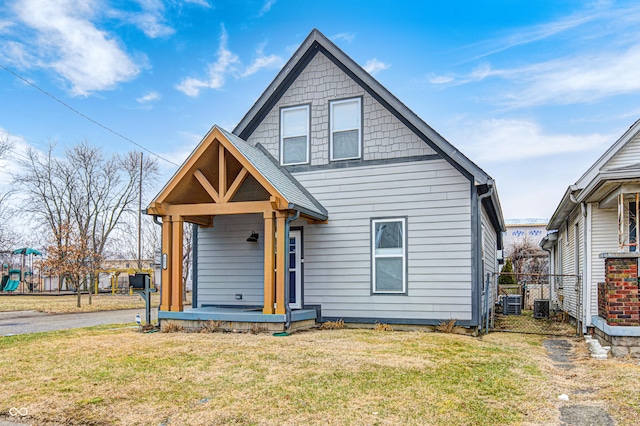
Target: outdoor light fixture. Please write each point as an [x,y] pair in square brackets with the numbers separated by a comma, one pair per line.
[253,238]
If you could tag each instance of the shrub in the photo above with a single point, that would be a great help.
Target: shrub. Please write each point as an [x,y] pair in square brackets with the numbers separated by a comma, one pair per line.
[211,327]
[172,327]
[507,277]
[448,327]
[382,327]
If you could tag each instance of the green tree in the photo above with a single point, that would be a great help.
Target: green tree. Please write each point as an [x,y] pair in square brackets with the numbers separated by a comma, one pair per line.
[507,277]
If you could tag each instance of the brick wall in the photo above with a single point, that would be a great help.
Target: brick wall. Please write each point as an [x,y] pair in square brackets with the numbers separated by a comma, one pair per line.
[618,295]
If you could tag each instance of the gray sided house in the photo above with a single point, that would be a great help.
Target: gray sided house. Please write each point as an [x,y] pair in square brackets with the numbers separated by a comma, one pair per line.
[380,218]
[593,235]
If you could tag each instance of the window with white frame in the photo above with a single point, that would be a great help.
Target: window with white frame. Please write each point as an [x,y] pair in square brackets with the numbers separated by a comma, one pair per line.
[294,135]
[389,255]
[346,129]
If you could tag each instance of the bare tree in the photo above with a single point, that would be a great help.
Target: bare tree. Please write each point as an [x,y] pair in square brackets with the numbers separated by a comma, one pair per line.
[73,259]
[528,258]
[7,232]
[85,190]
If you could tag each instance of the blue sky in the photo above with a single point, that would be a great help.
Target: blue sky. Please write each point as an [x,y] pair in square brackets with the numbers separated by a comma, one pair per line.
[533,92]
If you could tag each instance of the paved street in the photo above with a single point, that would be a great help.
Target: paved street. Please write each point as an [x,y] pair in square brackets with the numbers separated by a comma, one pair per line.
[21,322]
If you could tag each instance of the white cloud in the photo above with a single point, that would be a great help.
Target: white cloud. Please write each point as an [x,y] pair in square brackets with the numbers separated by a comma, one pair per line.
[266,7]
[504,140]
[203,3]
[583,78]
[5,26]
[373,66]
[150,20]
[348,37]
[149,97]
[217,71]
[66,41]
[261,61]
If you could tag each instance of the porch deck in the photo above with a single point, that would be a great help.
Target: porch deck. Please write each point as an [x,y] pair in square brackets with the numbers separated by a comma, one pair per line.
[230,314]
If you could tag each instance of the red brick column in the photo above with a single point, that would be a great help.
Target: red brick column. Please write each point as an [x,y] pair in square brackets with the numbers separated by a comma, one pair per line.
[618,297]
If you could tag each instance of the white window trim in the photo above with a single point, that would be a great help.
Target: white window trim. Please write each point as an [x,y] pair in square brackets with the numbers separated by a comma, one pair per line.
[359,128]
[308,134]
[403,220]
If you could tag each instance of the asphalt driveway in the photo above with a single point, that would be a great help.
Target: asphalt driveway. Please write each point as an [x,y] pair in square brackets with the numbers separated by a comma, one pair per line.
[21,322]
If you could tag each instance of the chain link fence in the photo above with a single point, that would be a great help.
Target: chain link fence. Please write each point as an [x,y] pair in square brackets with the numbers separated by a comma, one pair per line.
[549,304]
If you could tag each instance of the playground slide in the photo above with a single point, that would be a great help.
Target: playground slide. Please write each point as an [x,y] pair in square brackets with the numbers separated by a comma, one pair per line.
[12,285]
[5,278]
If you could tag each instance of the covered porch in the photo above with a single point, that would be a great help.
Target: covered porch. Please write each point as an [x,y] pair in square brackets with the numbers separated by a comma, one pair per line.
[227,176]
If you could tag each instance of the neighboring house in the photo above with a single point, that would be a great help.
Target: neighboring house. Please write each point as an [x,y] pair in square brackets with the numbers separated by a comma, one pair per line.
[595,223]
[519,230]
[381,219]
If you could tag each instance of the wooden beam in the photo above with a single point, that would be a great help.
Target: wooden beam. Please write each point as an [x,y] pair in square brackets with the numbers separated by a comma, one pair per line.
[235,185]
[165,262]
[281,253]
[278,203]
[157,209]
[177,235]
[269,263]
[206,185]
[204,221]
[214,209]
[222,172]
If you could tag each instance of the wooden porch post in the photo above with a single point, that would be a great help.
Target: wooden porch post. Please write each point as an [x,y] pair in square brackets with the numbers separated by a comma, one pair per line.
[269,263]
[165,262]
[176,263]
[281,252]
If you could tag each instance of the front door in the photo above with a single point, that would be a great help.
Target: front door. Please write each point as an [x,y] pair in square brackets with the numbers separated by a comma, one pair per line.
[295,269]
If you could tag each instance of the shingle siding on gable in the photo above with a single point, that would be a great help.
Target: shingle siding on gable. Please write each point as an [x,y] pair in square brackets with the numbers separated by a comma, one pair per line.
[628,156]
[384,136]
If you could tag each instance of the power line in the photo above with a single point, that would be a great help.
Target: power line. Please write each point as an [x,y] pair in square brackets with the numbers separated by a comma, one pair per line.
[86,117]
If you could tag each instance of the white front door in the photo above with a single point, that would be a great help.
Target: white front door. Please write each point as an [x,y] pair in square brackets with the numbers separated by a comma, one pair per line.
[295,269]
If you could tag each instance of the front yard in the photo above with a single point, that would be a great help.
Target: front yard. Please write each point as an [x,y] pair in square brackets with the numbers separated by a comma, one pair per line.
[67,304]
[102,376]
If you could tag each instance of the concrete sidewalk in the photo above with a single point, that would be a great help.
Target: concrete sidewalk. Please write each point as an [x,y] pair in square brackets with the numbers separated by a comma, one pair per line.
[22,322]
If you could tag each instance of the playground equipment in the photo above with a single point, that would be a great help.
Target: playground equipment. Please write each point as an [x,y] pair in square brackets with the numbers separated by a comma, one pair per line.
[114,274]
[12,280]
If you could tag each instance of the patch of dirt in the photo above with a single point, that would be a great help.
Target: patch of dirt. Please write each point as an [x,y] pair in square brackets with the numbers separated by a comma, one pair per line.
[584,408]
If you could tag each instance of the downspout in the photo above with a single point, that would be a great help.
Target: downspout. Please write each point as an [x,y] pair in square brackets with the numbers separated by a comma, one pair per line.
[287,308]
[479,259]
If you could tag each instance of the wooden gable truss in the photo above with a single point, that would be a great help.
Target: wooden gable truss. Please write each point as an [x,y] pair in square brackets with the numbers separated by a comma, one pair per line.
[218,180]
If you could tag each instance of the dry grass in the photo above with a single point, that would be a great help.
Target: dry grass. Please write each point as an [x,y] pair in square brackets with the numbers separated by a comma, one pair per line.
[67,304]
[332,325]
[100,376]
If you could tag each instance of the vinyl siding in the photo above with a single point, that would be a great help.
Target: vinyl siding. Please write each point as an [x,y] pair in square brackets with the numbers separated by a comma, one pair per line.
[228,264]
[604,238]
[337,267]
[568,264]
[383,135]
[490,258]
[629,155]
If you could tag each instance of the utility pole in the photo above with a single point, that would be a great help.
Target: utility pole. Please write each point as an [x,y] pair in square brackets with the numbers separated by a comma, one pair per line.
[140,217]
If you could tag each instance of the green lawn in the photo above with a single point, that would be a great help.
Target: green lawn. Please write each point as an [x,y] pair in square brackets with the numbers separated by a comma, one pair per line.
[106,376]
[102,376]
